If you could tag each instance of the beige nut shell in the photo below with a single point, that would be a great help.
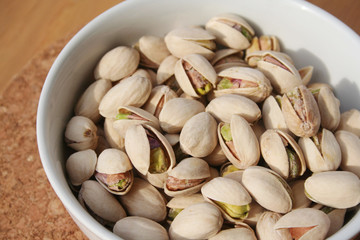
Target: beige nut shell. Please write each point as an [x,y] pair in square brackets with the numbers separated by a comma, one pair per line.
[81,133]
[350,151]
[235,234]
[80,166]
[158,97]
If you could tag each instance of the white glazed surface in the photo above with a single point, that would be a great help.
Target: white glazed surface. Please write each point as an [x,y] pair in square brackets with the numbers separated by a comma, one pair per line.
[308,34]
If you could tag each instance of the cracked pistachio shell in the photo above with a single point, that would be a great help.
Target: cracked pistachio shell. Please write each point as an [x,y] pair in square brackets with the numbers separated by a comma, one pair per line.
[228,170]
[222,27]
[80,166]
[282,74]
[201,65]
[129,228]
[337,189]
[138,147]
[117,63]
[298,189]
[80,133]
[246,149]
[216,157]
[336,217]
[144,200]
[306,74]
[146,73]
[176,112]
[131,91]
[273,117]
[301,112]
[223,107]
[93,196]
[305,223]
[268,189]
[322,152]
[264,43]
[350,151]
[254,84]
[198,221]
[152,50]
[226,58]
[185,41]
[188,169]
[234,234]
[112,136]
[114,161]
[255,212]
[198,137]
[265,228]
[275,145]
[141,117]
[166,69]
[158,97]
[227,191]
[350,121]
[182,202]
[88,104]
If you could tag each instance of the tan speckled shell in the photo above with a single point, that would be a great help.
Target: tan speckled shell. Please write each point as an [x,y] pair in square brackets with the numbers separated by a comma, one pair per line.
[185,201]
[80,133]
[265,228]
[80,166]
[159,96]
[153,48]
[350,151]
[329,107]
[273,117]
[112,136]
[235,234]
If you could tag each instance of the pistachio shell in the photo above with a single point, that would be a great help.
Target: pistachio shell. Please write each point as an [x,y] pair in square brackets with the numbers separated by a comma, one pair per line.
[88,104]
[144,200]
[112,136]
[255,212]
[102,142]
[80,166]
[146,73]
[268,189]
[166,69]
[275,147]
[222,26]
[338,189]
[198,137]
[131,91]
[300,200]
[159,96]
[350,121]
[318,85]
[185,201]
[176,112]
[153,49]
[329,107]
[216,157]
[226,58]
[185,41]
[305,223]
[306,74]
[198,221]
[336,220]
[172,138]
[322,152]
[273,117]
[128,228]
[80,133]
[350,151]
[223,107]
[263,43]
[265,228]
[246,150]
[117,63]
[234,234]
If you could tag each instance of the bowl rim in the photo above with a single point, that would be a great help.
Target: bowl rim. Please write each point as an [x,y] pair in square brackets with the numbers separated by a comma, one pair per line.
[81,215]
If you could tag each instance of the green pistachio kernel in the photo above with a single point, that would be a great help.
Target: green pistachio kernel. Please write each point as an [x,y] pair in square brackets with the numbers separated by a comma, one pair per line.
[224,83]
[246,33]
[234,211]
[294,163]
[122,116]
[121,184]
[327,210]
[278,100]
[205,89]
[226,132]
[229,169]
[173,212]
[158,163]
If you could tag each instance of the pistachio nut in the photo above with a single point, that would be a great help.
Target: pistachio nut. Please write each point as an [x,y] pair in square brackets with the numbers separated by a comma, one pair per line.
[216,157]
[198,221]
[321,151]
[198,137]
[131,91]
[350,151]
[80,166]
[254,214]
[195,75]
[166,69]
[144,200]
[88,104]
[187,177]
[228,168]
[229,196]
[318,85]
[113,136]
[152,51]
[283,155]
[114,171]
[202,99]
[265,227]
[158,97]
[350,121]
[146,73]
[234,234]
[299,198]
[301,112]
[231,30]
[263,43]
[244,81]
[223,107]
[100,204]
[306,74]
[305,224]
[228,57]
[177,204]
[282,74]
[336,217]
[337,189]
[172,138]
[129,228]
[118,63]
[185,41]
[268,189]
[258,128]
[239,142]
[102,142]
[273,117]
[80,133]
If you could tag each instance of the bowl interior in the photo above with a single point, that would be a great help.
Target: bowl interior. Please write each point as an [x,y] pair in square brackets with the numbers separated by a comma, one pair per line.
[308,34]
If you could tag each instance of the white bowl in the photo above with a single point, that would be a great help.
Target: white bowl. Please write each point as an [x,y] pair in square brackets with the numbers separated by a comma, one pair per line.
[308,34]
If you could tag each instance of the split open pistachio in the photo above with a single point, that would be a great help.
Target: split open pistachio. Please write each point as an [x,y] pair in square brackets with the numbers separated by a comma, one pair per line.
[265,228]
[226,58]
[177,204]
[273,117]
[80,133]
[263,43]
[235,233]
[159,96]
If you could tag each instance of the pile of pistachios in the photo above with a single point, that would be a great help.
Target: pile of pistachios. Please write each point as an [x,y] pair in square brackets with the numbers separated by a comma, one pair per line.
[212,133]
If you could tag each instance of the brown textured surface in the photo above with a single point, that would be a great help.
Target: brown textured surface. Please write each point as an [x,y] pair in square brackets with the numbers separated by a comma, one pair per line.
[29,207]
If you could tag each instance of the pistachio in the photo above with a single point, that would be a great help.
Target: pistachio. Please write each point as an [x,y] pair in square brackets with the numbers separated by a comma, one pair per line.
[226,58]
[80,133]
[177,204]
[273,117]
[113,137]
[254,214]
[298,189]
[306,74]
[336,217]
[349,121]
[263,43]
[158,97]
[80,166]
[166,69]
[216,157]
[350,151]
[265,228]
[235,233]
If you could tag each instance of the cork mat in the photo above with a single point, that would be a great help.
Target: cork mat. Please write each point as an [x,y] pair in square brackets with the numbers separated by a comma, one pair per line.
[29,208]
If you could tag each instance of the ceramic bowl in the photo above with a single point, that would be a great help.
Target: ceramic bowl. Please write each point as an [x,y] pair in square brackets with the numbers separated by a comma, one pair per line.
[308,34]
